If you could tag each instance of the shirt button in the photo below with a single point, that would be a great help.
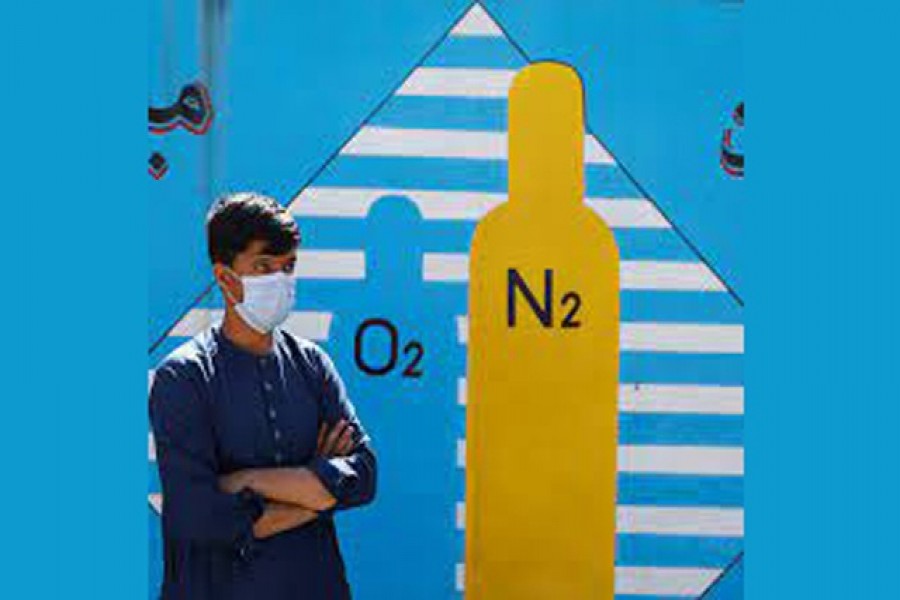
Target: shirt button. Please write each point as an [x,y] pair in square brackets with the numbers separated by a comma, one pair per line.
[278,457]
[277,435]
[267,386]
[272,414]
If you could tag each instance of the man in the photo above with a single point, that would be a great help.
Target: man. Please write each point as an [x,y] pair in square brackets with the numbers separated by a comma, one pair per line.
[257,443]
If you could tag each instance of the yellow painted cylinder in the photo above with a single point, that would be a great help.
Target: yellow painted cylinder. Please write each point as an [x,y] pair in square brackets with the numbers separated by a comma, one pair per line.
[543,365]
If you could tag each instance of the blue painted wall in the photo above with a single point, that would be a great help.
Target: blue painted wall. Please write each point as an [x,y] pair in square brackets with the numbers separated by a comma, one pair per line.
[293,81]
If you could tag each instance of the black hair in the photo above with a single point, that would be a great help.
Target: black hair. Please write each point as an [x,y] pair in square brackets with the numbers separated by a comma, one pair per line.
[236,220]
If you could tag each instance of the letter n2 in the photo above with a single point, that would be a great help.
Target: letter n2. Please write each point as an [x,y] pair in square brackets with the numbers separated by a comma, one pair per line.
[514,282]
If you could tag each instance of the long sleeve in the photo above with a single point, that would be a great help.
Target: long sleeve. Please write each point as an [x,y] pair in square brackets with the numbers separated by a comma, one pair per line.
[350,479]
[195,510]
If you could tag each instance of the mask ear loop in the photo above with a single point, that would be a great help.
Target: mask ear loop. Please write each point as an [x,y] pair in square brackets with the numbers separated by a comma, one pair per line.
[224,288]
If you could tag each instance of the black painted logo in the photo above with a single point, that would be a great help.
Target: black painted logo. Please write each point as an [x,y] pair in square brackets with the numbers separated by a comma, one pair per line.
[192,111]
[732,159]
[159,166]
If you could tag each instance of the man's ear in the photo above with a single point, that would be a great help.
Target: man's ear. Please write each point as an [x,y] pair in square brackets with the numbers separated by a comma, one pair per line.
[229,283]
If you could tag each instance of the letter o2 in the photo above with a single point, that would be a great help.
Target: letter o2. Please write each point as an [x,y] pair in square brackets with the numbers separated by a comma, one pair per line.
[358,346]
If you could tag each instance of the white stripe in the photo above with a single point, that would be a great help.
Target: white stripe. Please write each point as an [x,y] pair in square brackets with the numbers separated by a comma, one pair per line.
[459,83]
[625,213]
[461,391]
[664,520]
[195,321]
[682,460]
[647,581]
[672,399]
[151,447]
[433,143]
[672,460]
[310,325]
[595,153]
[330,264]
[696,399]
[307,324]
[476,23]
[664,581]
[156,502]
[446,143]
[355,203]
[445,266]
[453,267]
[669,276]
[682,338]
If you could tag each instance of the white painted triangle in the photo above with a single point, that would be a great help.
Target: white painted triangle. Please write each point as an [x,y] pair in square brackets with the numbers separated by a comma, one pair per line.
[477,23]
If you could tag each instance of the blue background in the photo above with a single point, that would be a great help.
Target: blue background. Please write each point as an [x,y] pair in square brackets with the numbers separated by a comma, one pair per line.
[821,493]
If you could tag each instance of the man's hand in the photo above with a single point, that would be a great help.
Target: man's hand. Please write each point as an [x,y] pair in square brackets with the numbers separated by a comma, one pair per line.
[235,482]
[338,441]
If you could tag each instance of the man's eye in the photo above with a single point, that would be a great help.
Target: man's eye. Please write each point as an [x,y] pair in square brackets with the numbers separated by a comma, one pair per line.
[288,269]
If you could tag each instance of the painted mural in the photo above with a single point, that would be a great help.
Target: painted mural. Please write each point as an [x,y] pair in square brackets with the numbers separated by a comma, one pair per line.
[389,202]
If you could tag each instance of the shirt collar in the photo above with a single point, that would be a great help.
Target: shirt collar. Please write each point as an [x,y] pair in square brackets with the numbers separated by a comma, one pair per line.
[233,349]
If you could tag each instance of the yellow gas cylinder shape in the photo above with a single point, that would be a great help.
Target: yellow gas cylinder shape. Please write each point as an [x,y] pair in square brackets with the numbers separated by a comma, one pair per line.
[543,365]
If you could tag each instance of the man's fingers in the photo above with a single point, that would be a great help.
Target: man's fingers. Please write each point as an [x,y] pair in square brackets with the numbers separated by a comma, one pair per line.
[345,444]
[333,436]
[322,429]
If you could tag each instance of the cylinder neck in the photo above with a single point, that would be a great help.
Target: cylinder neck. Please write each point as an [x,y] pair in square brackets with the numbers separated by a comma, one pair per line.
[546,137]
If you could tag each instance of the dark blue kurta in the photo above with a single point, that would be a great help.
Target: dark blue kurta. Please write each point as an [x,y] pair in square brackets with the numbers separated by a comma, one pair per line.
[216,408]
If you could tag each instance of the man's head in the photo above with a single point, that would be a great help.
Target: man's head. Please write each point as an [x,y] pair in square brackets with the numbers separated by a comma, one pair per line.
[249,235]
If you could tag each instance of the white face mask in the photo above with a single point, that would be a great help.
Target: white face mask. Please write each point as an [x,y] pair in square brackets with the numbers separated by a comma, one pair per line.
[268,300]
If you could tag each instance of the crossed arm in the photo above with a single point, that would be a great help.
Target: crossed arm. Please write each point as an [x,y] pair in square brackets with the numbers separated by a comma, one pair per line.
[203,507]
[295,495]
